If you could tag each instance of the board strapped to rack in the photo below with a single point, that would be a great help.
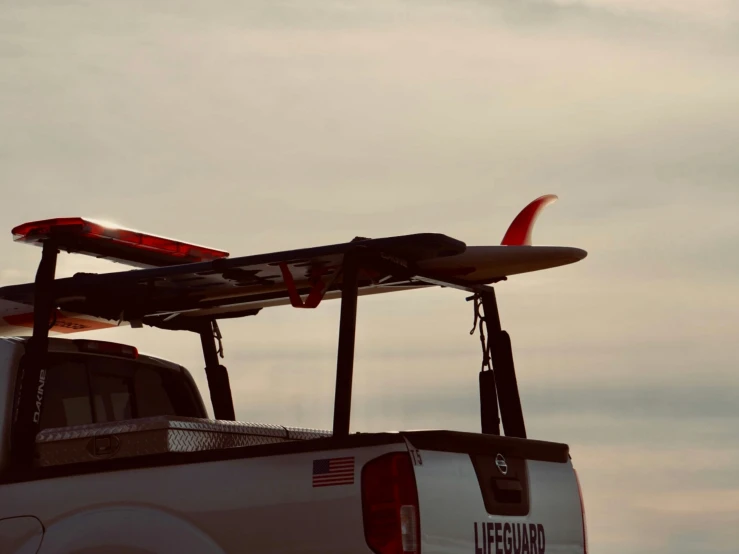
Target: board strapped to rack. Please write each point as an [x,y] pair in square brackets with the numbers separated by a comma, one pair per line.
[180,286]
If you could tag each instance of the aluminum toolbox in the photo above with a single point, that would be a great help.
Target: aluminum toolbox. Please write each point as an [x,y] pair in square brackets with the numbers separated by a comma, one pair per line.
[156,435]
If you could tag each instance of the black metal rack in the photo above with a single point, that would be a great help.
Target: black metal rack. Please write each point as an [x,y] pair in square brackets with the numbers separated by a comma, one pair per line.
[393,258]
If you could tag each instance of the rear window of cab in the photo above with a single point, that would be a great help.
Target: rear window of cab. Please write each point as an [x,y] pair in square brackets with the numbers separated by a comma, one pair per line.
[84,389]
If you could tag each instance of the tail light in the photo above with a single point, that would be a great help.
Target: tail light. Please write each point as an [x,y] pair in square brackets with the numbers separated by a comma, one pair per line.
[582,512]
[390,505]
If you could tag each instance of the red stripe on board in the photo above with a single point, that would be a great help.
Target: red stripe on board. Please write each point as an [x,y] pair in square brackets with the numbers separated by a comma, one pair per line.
[63,323]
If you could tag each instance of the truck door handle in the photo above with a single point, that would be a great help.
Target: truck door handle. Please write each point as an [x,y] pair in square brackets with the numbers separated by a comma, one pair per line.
[507,491]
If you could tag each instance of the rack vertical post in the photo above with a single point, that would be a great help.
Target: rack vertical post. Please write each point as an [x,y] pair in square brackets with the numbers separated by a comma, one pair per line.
[501,355]
[345,355]
[27,421]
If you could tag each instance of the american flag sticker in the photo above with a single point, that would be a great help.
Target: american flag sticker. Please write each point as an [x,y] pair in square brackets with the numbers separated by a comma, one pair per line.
[333,471]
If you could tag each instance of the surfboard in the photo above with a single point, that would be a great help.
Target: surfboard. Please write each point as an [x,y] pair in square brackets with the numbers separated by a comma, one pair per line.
[216,287]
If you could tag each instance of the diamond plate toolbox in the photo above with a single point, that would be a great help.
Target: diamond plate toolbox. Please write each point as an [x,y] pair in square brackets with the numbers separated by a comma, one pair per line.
[156,435]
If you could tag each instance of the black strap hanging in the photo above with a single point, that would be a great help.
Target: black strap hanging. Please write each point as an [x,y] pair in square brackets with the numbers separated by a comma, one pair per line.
[219,337]
[489,415]
[217,374]
[479,322]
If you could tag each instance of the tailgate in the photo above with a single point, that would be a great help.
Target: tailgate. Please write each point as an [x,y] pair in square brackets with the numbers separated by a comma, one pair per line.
[485,494]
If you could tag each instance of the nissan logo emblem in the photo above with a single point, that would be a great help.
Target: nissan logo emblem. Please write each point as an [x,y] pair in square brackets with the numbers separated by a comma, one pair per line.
[501,464]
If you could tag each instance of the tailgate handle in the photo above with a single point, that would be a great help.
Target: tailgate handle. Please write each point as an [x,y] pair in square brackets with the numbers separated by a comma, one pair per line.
[507,491]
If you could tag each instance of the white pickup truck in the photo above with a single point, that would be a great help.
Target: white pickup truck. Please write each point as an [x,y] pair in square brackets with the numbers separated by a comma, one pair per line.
[105,450]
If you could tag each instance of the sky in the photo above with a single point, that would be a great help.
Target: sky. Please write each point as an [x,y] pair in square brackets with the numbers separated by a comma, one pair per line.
[263,125]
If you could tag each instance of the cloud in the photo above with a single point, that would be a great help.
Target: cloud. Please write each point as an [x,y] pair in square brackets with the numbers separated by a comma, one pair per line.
[272,125]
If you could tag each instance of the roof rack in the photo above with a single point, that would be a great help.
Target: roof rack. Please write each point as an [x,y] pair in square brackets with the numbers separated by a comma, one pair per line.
[189,287]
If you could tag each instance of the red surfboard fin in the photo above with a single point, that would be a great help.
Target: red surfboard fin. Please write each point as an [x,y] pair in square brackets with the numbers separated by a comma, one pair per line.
[519,232]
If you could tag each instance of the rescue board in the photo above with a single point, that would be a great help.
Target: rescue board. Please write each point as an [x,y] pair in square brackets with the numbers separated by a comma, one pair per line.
[181,285]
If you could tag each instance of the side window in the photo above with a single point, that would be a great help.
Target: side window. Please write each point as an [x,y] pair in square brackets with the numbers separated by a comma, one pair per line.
[67,397]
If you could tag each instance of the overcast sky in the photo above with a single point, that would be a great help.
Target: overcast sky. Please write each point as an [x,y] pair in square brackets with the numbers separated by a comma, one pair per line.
[264,125]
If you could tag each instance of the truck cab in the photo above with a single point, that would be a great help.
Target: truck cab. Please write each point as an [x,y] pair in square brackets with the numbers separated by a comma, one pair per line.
[88,382]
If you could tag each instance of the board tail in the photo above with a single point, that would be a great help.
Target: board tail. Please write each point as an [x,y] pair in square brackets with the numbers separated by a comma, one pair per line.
[519,232]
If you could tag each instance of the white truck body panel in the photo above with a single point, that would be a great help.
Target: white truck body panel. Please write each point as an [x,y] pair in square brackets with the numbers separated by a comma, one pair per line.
[269,505]
[265,504]
[20,535]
